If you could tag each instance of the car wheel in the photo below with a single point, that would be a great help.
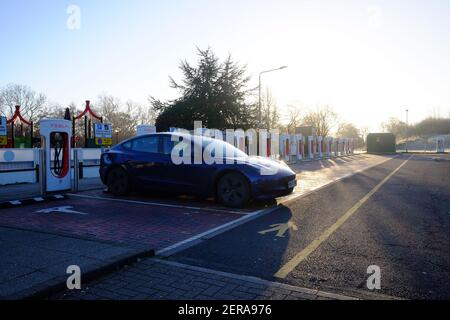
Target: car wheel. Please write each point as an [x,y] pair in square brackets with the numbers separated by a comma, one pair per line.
[233,190]
[118,182]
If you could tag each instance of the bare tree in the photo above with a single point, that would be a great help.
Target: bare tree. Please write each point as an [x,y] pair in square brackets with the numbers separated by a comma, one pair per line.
[395,126]
[294,118]
[269,109]
[123,117]
[30,101]
[323,119]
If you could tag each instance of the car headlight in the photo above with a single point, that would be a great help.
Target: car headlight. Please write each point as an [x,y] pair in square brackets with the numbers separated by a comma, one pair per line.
[106,159]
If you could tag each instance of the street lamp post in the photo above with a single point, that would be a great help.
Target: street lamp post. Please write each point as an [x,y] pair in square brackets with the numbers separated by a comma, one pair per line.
[259,86]
[406,143]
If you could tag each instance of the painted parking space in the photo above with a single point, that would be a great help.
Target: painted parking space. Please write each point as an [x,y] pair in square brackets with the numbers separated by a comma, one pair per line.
[132,223]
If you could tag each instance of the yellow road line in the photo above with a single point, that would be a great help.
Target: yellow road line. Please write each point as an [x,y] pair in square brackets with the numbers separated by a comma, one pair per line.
[302,255]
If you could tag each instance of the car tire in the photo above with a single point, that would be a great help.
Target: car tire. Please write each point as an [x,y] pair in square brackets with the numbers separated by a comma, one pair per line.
[118,182]
[233,190]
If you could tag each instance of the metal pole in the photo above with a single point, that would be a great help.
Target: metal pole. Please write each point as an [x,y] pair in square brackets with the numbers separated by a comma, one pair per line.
[259,89]
[406,143]
[260,114]
[85,132]
[31,135]
[42,170]
[76,171]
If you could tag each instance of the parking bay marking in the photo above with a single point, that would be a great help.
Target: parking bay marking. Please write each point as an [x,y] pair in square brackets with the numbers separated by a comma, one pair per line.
[281,228]
[64,209]
[302,255]
[158,204]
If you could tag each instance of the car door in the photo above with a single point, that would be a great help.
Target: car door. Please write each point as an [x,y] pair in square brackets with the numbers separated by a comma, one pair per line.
[147,162]
[187,177]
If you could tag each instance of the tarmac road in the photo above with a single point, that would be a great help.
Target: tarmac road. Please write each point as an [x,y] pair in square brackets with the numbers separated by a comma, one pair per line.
[395,216]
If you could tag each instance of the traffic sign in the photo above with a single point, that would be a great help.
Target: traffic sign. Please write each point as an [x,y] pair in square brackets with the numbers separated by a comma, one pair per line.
[3,131]
[103,134]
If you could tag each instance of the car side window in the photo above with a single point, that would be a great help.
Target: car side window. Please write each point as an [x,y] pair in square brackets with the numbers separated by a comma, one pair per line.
[145,144]
[127,145]
[167,145]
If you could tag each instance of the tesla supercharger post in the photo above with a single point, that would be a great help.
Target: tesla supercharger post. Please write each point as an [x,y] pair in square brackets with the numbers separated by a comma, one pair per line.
[310,147]
[55,155]
[263,144]
[319,146]
[299,146]
[239,140]
[285,146]
[339,147]
[314,146]
[440,145]
[143,129]
[336,146]
[326,147]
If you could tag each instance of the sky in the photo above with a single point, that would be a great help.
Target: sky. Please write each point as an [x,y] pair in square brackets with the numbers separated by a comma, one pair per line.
[369,60]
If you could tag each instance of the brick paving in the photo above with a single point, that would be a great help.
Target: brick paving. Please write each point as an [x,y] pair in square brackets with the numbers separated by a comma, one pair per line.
[131,224]
[156,279]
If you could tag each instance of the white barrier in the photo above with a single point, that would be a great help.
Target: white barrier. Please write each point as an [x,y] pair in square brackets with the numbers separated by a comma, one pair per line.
[26,159]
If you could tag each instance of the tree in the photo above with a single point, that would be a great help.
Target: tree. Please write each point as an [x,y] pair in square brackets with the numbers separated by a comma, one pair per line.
[30,101]
[395,126]
[269,109]
[123,117]
[212,92]
[294,118]
[349,130]
[323,119]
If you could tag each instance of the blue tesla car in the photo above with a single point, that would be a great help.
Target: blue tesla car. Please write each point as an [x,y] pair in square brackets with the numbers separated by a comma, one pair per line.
[233,178]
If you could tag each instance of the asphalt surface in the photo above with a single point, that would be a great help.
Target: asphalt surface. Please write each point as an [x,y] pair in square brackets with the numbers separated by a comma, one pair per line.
[403,228]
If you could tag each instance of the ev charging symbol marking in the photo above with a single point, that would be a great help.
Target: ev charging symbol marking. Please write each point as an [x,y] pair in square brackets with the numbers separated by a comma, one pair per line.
[374,280]
[64,209]
[74,280]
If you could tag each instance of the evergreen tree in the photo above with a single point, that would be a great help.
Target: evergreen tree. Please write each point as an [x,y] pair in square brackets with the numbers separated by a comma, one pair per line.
[212,92]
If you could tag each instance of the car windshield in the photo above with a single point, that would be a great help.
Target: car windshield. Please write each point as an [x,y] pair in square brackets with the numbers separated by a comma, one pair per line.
[228,150]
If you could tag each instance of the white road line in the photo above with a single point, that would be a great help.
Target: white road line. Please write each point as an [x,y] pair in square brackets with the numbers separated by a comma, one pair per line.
[287,268]
[212,232]
[158,204]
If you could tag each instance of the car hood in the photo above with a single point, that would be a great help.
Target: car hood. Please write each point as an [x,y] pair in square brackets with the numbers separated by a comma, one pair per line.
[266,166]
